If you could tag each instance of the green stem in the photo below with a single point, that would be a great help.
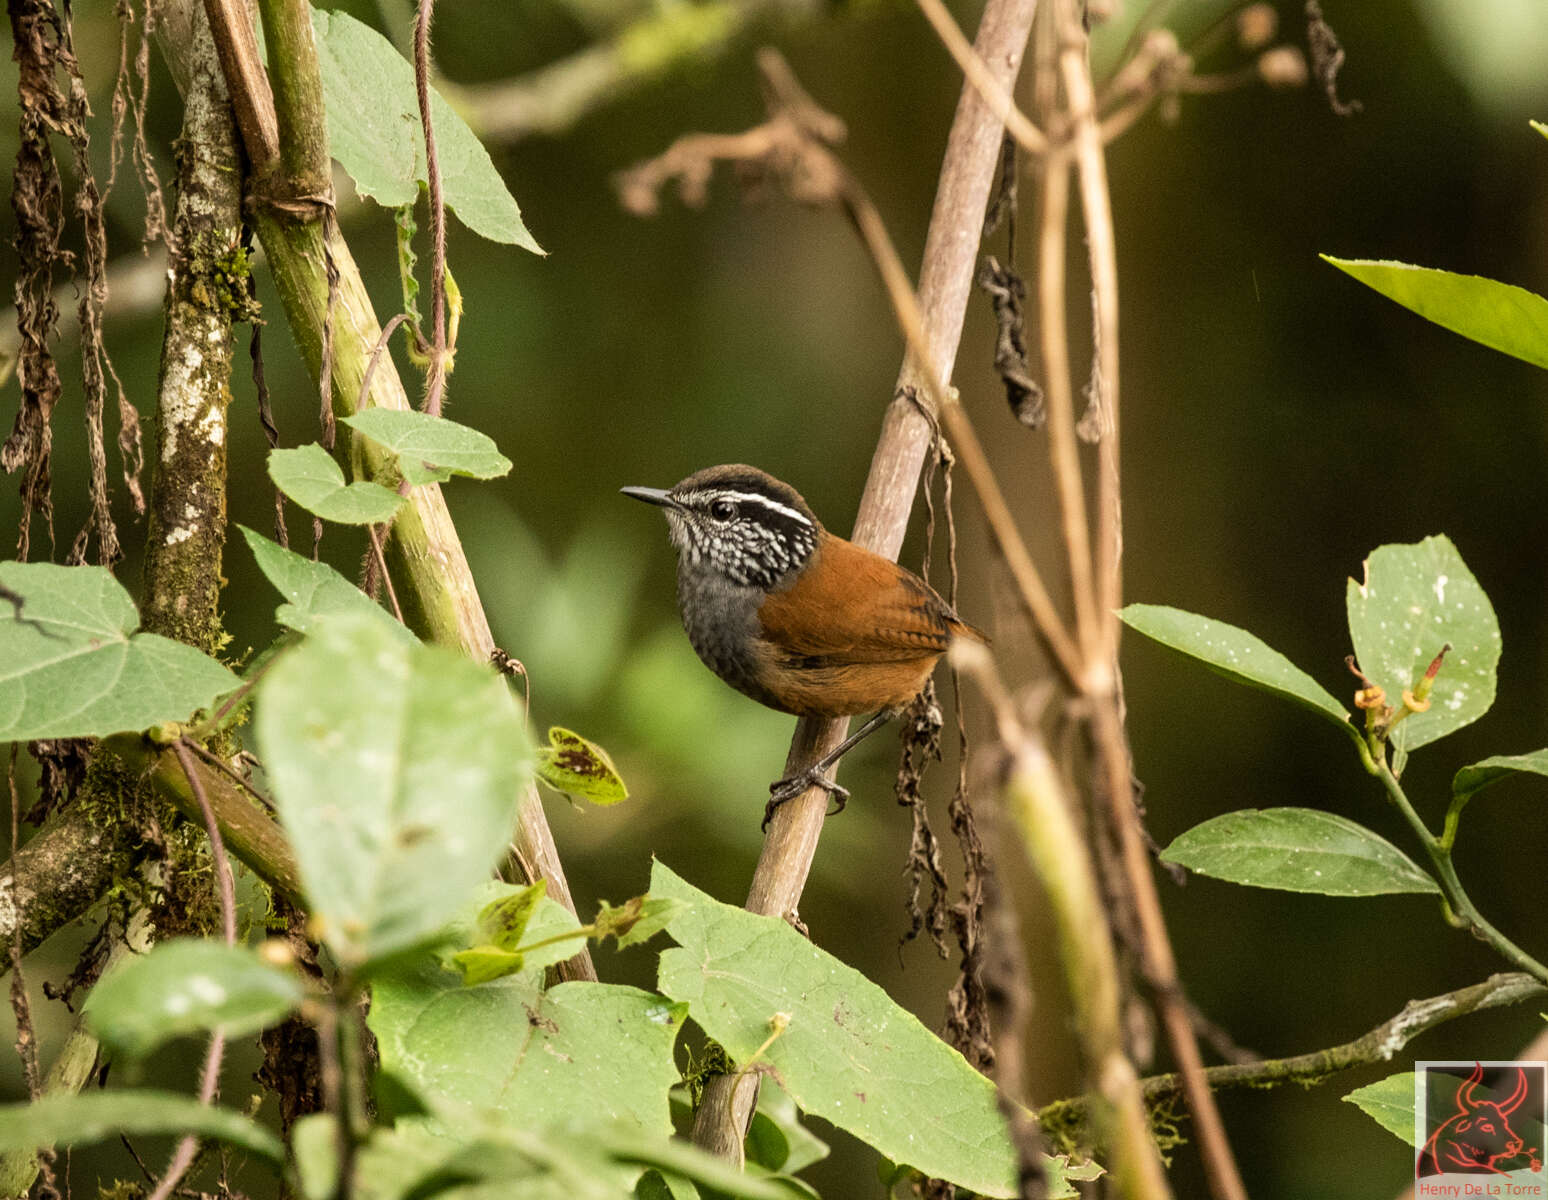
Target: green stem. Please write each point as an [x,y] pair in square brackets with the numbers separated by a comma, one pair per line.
[1439,852]
[585,931]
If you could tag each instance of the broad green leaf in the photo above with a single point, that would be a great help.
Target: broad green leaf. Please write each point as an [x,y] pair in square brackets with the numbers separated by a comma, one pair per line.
[431,449]
[374,132]
[529,1160]
[653,1185]
[396,770]
[76,1120]
[777,1139]
[310,477]
[1471,780]
[847,1053]
[314,1148]
[314,591]
[577,767]
[1390,1103]
[600,1051]
[1494,314]
[636,920]
[184,986]
[683,1159]
[1417,598]
[1297,850]
[71,664]
[1236,654]
[581,1054]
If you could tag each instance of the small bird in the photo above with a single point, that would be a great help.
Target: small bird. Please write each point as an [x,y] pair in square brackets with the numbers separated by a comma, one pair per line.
[792,615]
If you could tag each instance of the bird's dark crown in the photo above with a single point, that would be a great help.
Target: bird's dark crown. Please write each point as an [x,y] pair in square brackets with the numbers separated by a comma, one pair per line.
[741,523]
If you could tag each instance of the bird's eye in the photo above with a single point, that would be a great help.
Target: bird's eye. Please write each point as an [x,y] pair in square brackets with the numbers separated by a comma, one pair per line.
[723,510]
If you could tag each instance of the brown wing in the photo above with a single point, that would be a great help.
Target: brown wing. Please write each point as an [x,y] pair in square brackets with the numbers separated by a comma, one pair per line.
[853,606]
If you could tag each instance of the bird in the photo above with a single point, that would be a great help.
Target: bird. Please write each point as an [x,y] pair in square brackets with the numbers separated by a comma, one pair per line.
[795,617]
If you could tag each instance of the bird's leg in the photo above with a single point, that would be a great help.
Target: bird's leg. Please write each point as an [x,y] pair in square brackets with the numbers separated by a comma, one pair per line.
[792,786]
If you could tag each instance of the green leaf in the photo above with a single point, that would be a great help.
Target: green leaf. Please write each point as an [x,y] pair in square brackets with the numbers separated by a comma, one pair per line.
[636,920]
[1236,654]
[848,1054]
[577,767]
[431,449]
[71,664]
[75,1120]
[186,985]
[1298,850]
[504,921]
[547,924]
[310,477]
[314,591]
[396,770]
[1471,780]
[653,1185]
[483,963]
[1417,598]
[1390,1103]
[1494,314]
[314,1146]
[582,1054]
[776,1138]
[374,132]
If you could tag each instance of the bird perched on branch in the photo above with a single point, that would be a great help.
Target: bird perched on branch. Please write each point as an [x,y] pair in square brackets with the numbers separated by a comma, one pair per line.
[792,615]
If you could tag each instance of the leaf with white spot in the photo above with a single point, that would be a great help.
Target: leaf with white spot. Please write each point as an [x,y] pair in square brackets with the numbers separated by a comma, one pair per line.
[1236,654]
[184,986]
[396,769]
[1297,850]
[1417,598]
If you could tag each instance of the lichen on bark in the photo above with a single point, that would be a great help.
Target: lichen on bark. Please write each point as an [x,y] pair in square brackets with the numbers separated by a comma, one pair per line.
[206,292]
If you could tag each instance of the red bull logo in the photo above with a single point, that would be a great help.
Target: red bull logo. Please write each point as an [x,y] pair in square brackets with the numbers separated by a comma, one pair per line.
[1480,1130]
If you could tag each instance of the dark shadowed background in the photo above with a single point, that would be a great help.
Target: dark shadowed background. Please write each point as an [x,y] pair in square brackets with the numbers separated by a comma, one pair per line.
[1280,422]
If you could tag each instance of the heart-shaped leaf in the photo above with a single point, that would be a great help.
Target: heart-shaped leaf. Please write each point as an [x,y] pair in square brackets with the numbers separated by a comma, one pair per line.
[310,477]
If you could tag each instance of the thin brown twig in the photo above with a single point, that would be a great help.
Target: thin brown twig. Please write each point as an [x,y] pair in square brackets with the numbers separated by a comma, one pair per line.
[374,533]
[230,773]
[1102,250]
[1378,1045]
[376,357]
[1037,800]
[436,383]
[209,1078]
[945,284]
[995,95]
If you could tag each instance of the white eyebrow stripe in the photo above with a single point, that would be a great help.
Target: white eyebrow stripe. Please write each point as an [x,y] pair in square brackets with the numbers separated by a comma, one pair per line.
[756,498]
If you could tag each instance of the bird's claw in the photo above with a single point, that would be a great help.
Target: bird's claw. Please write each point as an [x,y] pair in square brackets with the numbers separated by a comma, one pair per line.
[792,786]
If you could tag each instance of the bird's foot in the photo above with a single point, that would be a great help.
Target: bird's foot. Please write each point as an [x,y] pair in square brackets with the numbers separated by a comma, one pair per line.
[792,786]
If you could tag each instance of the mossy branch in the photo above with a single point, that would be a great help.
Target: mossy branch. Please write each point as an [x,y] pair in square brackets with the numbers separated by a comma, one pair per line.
[424,553]
[1065,1122]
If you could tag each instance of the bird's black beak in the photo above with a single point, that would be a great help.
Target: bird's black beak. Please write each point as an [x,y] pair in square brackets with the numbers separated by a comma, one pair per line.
[657,496]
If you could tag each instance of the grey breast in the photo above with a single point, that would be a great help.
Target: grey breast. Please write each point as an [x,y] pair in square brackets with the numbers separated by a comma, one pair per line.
[722,625]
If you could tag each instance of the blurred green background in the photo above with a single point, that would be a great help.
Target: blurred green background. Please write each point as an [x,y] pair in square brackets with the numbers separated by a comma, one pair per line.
[1280,422]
